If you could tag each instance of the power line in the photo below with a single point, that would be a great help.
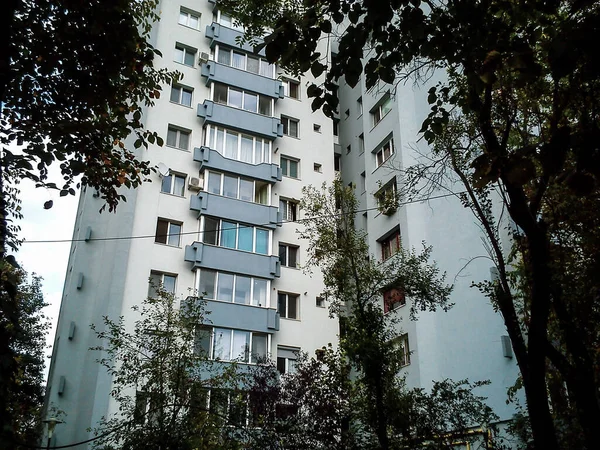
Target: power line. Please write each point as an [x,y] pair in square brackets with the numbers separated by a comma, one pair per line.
[148,236]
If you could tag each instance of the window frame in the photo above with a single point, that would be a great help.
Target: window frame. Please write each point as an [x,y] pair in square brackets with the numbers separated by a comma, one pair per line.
[286,172]
[185,49]
[244,95]
[214,295]
[162,276]
[392,242]
[179,132]
[287,84]
[288,209]
[189,13]
[393,298]
[288,262]
[286,121]
[181,88]
[382,109]
[403,345]
[212,331]
[287,366]
[220,228]
[170,223]
[173,176]
[262,62]
[288,297]
[259,144]
[381,150]
[256,186]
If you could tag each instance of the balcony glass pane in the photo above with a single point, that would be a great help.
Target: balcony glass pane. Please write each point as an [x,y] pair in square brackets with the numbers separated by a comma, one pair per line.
[214,183]
[207,283]
[259,347]
[246,190]
[235,98]
[246,149]
[238,60]
[211,229]
[220,94]
[241,345]
[222,344]
[242,290]
[245,241]
[224,56]
[228,234]
[259,295]
[264,105]
[230,186]
[225,287]
[250,102]
[231,145]
[252,64]
[220,141]
[262,241]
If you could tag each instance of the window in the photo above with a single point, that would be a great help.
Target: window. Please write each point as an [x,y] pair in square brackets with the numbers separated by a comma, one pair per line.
[337,162]
[236,187]
[361,143]
[393,298]
[316,127]
[287,305]
[348,149]
[189,19]
[286,359]
[161,280]
[290,126]
[390,245]
[320,302]
[185,55]
[181,95]
[291,89]
[249,63]
[167,232]
[318,167]
[173,184]
[178,138]
[227,20]
[238,146]
[237,98]
[359,106]
[336,127]
[233,288]
[387,198]
[401,344]
[288,255]
[289,210]
[346,114]
[235,235]
[384,153]
[289,167]
[363,182]
[380,111]
[233,345]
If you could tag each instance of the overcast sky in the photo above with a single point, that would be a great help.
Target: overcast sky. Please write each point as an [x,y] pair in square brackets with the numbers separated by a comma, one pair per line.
[48,260]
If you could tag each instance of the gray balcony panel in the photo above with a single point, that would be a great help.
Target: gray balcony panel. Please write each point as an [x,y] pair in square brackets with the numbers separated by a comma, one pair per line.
[236,210]
[219,34]
[242,317]
[215,72]
[212,159]
[229,260]
[256,124]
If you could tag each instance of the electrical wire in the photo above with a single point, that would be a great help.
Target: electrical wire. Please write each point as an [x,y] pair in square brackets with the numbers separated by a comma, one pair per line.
[149,236]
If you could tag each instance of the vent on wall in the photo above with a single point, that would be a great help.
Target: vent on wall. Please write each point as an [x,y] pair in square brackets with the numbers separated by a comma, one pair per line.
[506,347]
[88,234]
[71,331]
[80,280]
[61,385]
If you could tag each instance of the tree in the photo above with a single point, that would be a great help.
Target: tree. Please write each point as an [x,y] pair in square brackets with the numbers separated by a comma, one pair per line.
[75,79]
[355,397]
[516,119]
[26,395]
[161,377]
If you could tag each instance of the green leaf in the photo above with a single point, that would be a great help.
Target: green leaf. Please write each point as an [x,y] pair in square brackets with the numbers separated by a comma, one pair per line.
[317,69]
[48,204]
[160,141]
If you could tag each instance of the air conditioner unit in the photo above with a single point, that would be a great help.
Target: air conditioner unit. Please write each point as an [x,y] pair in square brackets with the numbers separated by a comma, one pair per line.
[195,184]
[204,57]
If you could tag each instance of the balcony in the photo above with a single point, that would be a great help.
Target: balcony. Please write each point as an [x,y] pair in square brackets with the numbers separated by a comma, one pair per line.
[238,119]
[230,260]
[241,317]
[215,72]
[212,159]
[236,210]
[219,34]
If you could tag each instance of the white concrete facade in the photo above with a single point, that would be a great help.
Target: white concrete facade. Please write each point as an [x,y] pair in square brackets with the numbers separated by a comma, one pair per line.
[108,277]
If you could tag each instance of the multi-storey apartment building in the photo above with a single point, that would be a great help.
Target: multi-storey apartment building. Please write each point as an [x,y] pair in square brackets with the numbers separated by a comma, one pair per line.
[219,218]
